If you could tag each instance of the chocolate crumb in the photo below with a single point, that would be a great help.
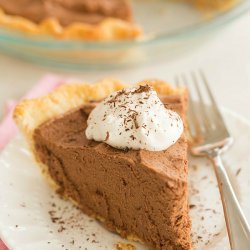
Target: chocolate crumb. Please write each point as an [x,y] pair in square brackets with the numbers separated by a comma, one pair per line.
[195,167]
[238,172]
[192,206]
[61,229]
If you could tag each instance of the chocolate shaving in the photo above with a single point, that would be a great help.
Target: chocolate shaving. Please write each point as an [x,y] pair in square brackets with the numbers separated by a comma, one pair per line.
[114,99]
[238,171]
[133,137]
[142,88]
[134,117]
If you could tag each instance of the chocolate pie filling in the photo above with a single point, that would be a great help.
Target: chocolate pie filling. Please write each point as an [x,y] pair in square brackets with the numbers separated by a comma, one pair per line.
[137,192]
[69,11]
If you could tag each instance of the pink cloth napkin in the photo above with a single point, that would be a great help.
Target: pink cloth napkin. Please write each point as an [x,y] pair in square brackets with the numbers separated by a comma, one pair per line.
[8,129]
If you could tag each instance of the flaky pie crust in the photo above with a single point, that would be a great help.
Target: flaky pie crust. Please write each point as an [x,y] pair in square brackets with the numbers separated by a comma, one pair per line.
[106,30]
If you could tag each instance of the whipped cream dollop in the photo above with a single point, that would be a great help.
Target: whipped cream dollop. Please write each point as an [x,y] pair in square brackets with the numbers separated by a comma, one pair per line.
[134,118]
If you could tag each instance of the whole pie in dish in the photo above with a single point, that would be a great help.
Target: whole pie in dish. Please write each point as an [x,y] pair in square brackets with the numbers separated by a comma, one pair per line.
[80,19]
[140,194]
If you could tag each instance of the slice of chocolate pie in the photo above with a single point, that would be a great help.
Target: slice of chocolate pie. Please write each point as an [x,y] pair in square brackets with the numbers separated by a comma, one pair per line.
[137,187]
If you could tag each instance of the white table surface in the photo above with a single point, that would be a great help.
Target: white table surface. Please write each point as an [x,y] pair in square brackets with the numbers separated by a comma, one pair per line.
[225,58]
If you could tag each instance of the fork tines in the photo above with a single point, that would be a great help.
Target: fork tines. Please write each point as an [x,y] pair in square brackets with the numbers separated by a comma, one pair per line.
[204,117]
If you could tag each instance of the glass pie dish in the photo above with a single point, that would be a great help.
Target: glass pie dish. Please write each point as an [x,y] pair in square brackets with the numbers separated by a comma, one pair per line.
[169,26]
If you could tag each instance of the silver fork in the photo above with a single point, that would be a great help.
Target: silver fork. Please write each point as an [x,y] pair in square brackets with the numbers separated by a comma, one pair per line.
[211,138]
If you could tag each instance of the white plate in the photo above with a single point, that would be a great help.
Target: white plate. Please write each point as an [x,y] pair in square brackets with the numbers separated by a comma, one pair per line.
[27,203]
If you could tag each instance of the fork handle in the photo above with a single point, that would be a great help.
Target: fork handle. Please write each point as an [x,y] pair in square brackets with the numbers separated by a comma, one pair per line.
[237,226]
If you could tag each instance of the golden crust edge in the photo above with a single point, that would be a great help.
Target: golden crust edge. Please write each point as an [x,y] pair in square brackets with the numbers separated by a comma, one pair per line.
[108,29]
